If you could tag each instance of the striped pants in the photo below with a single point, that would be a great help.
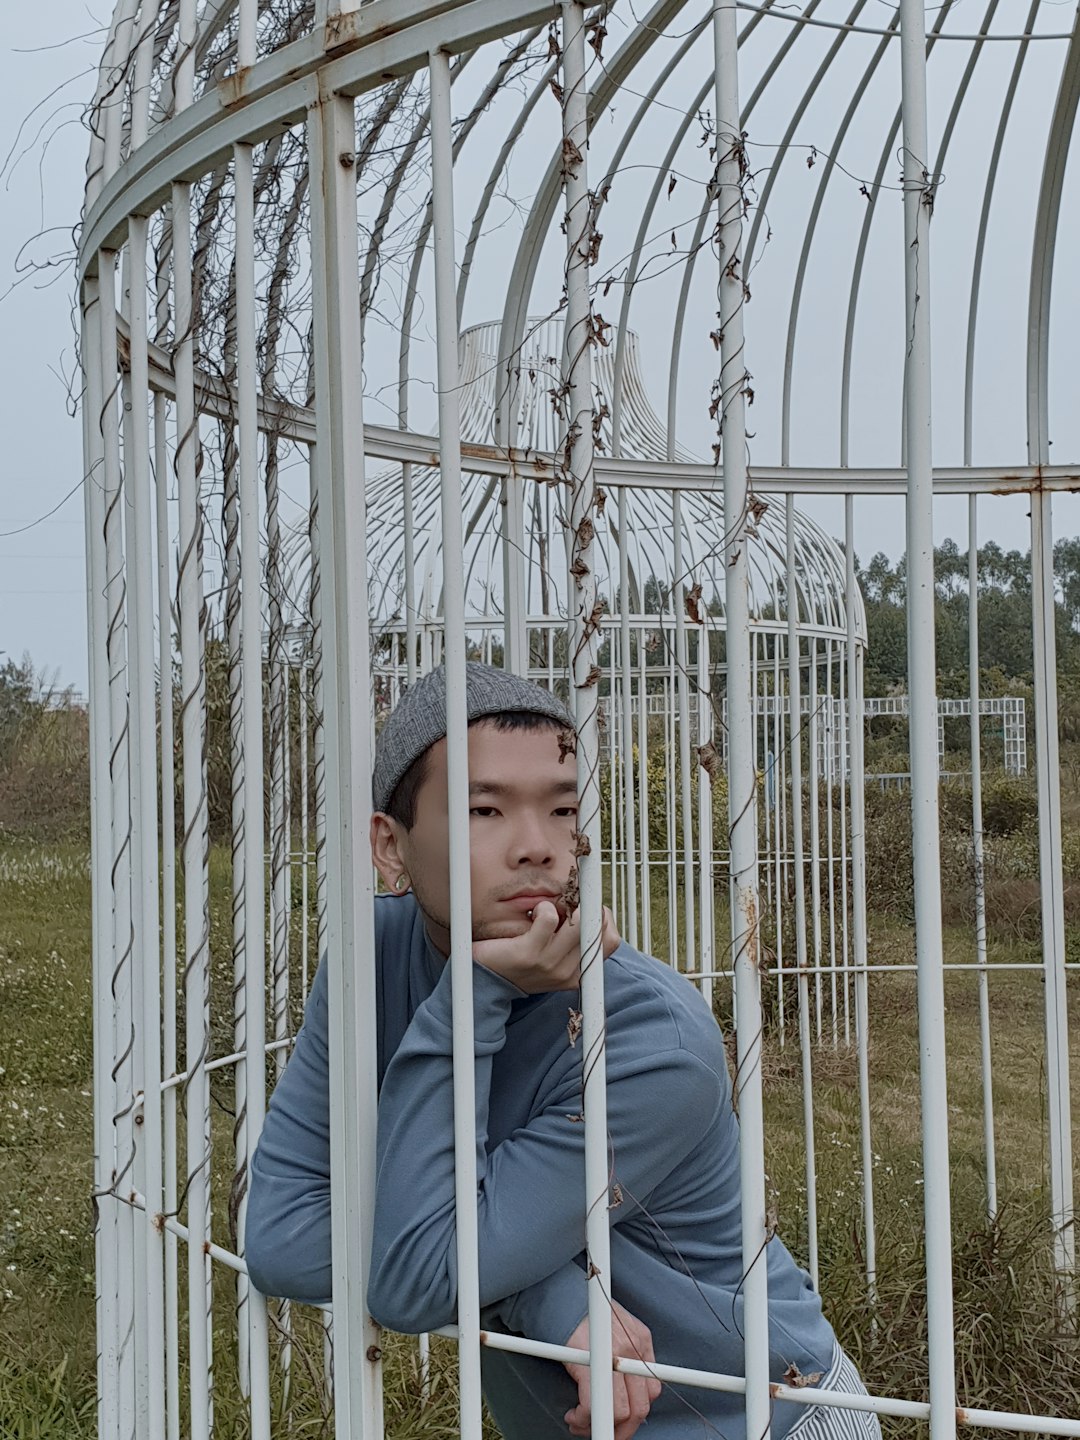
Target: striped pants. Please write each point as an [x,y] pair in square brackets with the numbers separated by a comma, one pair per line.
[822,1422]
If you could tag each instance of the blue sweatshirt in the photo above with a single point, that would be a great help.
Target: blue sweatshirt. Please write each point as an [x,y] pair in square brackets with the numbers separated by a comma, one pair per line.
[676,1258]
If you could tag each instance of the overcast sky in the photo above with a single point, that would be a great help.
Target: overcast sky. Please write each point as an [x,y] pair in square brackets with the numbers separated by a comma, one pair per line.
[42,153]
[47,59]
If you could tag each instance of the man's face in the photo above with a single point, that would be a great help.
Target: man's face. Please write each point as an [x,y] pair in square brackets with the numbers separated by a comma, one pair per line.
[522,820]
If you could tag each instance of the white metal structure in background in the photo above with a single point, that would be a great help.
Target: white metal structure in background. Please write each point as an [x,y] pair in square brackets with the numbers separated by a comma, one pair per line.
[374,298]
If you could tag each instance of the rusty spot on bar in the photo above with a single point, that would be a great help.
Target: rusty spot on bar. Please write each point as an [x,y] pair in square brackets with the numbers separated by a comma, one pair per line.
[231,87]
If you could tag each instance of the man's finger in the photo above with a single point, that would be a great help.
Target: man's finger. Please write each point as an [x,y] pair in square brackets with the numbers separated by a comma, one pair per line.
[639,1408]
[640,1399]
[620,1400]
[579,1419]
[545,920]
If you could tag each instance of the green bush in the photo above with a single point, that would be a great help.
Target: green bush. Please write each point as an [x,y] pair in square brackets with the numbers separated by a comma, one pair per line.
[1010,848]
[657,783]
[1009,804]
[44,759]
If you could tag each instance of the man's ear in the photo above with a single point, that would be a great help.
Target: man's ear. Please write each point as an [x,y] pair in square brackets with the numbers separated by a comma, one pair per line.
[387,853]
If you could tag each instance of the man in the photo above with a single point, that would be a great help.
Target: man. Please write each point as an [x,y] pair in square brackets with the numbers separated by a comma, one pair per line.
[676,1257]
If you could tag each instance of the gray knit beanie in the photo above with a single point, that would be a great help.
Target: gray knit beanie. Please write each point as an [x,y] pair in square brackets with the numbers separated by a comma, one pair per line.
[419,718]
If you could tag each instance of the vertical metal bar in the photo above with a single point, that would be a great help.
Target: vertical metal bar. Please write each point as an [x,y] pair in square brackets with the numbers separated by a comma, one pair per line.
[277,732]
[830,847]
[788,736]
[707,903]
[144,815]
[193,749]
[247,15]
[287,796]
[922,682]
[461,960]
[843,774]
[318,733]
[345,670]
[120,980]
[99,165]
[102,922]
[1048,783]
[110,115]
[282,979]
[777,808]
[410,569]
[613,852]
[584,635]
[196,893]
[251,1072]
[857,790]
[305,825]
[134,1181]
[742,779]
[425,1369]
[626,718]
[792,729]
[814,755]
[168,887]
[1045,667]
[758,712]
[978,857]
[670,785]
[794,646]
[231,527]
[515,638]
[643,792]
[682,683]
[146,994]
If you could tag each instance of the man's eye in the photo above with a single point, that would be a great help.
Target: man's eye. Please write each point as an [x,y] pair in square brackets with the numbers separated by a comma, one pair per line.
[483,811]
[566,811]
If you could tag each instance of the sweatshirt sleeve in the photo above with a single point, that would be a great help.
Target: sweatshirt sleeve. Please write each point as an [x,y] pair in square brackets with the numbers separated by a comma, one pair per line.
[551,1310]
[287,1234]
[531,1187]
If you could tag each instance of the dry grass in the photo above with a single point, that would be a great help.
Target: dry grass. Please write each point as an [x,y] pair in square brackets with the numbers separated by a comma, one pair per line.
[1009,1354]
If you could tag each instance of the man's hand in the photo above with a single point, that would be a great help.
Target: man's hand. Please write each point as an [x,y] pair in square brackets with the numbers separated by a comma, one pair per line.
[548,955]
[633,1394]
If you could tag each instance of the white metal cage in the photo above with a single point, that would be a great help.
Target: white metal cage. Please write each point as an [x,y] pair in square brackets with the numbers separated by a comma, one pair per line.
[353,406]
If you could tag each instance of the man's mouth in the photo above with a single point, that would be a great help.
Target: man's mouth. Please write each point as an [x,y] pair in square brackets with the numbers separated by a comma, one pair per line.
[527,901]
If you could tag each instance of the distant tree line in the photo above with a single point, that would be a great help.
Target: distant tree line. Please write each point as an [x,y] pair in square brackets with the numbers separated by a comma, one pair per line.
[1005,633]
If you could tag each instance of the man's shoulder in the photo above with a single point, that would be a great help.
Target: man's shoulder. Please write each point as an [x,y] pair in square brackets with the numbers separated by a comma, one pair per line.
[650,1003]
[638,973]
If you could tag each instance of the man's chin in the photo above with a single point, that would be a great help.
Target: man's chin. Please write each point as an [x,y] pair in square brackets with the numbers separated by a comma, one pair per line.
[501,929]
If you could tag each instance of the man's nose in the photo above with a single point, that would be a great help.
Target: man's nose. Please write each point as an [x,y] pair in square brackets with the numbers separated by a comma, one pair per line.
[532,845]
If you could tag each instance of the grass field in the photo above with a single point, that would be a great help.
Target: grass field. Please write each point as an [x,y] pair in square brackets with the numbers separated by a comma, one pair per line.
[1008,1353]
